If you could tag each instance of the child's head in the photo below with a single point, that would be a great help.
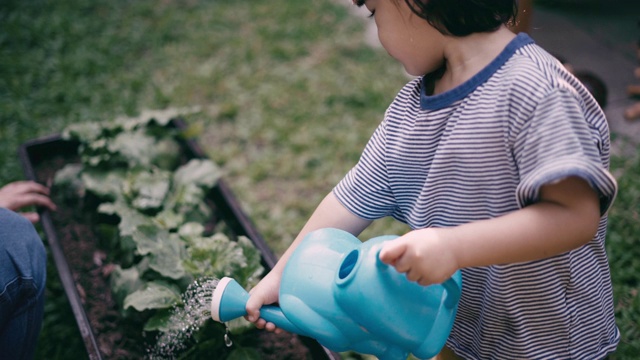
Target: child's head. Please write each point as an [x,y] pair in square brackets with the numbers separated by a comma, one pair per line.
[464,17]
[416,32]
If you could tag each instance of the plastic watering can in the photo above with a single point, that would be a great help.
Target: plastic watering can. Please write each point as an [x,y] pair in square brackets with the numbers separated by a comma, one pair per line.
[336,290]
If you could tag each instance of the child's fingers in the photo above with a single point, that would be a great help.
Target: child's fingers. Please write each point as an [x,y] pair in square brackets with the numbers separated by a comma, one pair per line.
[253,309]
[392,251]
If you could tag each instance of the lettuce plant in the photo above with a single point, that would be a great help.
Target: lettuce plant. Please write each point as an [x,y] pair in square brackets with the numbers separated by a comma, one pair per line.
[154,202]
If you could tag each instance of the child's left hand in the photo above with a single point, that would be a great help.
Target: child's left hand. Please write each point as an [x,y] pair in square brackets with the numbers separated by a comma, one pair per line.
[423,255]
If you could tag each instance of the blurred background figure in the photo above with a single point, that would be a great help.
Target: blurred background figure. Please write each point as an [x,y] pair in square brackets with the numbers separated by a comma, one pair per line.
[22,269]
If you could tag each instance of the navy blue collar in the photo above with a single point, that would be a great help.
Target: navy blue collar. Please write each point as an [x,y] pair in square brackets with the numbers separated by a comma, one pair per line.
[434,102]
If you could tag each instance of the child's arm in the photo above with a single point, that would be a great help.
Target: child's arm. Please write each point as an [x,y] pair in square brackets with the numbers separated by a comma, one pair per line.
[330,213]
[565,218]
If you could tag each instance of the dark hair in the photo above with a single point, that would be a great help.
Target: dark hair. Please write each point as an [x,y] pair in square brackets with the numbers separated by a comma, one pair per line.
[464,17]
[595,85]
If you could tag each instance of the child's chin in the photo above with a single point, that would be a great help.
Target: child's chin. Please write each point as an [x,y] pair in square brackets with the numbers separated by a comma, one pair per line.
[413,72]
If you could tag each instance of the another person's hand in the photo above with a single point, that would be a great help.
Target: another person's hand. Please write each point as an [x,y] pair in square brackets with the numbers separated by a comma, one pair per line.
[19,194]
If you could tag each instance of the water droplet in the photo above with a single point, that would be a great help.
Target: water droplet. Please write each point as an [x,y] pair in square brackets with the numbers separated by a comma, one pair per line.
[227,338]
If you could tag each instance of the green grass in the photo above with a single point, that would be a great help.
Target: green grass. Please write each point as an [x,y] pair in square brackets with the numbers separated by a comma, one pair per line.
[624,255]
[289,93]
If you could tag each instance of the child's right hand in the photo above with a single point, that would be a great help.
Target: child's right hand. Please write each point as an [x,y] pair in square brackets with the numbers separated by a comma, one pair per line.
[329,214]
[265,293]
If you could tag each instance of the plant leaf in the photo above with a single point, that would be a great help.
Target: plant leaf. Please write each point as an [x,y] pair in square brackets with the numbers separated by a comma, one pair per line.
[166,154]
[218,256]
[165,250]
[202,172]
[104,184]
[159,321]
[130,219]
[124,282]
[252,271]
[168,219]
[136,148]
[167,259]
[68,178]
[184,197]
[191,230]
[155,295]
[146,190]
[84,132]
[149,238]
[161,117]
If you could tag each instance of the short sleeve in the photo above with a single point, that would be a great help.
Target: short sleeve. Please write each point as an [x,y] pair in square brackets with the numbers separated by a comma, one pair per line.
[365,189]
[559,141]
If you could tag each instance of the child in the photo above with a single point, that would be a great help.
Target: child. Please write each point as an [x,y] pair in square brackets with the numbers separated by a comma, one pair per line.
[497,159]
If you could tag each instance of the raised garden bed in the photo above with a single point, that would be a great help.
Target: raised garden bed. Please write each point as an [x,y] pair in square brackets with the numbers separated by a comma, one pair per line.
[84,267]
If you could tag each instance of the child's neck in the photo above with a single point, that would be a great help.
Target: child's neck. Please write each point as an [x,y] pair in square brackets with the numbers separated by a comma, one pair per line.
[466,56]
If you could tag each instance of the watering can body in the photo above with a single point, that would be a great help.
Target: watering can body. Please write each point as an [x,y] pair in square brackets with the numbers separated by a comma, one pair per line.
[335,289]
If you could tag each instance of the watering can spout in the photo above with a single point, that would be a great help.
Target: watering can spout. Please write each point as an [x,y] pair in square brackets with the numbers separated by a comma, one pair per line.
[229,302]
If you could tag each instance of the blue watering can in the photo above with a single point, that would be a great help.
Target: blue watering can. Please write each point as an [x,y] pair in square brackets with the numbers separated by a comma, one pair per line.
[336,290]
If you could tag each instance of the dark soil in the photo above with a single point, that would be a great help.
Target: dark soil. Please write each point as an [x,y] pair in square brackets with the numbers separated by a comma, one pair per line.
[118,337]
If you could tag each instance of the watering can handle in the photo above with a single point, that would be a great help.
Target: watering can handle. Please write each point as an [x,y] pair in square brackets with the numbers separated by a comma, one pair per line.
[454,289]
[274,314]
[453,285]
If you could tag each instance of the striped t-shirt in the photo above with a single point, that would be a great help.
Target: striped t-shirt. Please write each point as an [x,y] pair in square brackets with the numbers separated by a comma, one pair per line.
[482,150]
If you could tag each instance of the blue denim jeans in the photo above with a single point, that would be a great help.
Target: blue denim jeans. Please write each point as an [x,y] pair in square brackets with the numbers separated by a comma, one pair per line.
[22,282]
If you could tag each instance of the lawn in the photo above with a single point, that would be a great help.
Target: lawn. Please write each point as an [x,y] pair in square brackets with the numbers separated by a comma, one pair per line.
[289,93]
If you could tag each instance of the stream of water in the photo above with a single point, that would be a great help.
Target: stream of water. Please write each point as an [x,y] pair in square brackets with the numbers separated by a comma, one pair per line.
[186,320]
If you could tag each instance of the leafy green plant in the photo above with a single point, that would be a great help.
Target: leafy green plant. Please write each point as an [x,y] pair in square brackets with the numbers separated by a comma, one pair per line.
[151,211]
